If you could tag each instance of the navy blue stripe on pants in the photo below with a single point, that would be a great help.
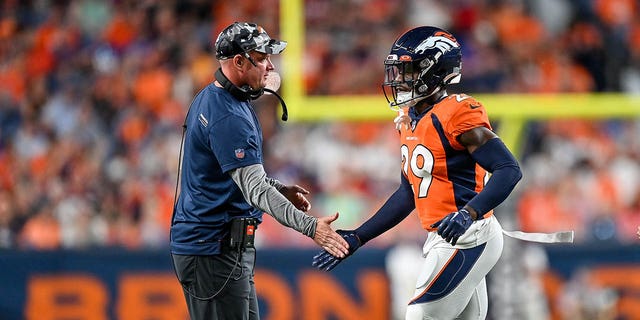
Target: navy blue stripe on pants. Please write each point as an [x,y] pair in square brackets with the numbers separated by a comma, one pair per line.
[451,275]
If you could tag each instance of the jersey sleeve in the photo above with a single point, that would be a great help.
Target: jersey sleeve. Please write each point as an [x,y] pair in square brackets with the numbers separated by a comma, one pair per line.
[234,142]
[468,114]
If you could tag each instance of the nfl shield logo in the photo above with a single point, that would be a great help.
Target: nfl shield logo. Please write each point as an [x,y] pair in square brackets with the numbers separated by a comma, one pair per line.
[239,153]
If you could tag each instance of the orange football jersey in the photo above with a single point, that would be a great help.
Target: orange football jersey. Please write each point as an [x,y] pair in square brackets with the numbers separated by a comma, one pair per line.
[442,174]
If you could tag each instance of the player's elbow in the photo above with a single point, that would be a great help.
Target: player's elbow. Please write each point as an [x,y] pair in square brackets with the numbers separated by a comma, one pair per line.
[510,174]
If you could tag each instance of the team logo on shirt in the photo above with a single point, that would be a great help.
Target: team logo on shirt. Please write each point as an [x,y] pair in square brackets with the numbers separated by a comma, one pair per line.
[239,153]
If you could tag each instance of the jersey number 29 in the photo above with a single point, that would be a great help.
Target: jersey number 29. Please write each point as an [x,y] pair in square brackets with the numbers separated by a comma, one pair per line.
[420,160]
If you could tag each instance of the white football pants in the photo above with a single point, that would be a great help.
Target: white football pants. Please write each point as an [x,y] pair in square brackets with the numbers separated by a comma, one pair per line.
[451,284]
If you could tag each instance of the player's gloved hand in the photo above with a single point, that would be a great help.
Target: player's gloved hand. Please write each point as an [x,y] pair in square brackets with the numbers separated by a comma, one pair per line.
[454,225]
[326,261]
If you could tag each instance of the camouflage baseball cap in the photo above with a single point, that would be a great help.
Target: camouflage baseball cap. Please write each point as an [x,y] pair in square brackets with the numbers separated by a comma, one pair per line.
[241,37]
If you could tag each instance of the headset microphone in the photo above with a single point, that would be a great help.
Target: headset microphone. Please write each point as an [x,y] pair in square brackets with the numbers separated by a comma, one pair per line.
[285,113]
[245,93]
[272,85]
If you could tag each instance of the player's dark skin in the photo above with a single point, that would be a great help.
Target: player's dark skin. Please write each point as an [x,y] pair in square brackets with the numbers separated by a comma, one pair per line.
[471,139]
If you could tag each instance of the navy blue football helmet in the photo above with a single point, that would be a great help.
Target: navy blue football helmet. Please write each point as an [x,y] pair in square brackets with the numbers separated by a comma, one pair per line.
[422,61]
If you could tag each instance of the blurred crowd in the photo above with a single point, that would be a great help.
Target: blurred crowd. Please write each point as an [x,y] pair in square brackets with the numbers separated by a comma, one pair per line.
[93,94]
[583,176]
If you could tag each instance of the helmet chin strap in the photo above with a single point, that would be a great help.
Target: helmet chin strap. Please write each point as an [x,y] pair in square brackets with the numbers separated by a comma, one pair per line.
[434,91]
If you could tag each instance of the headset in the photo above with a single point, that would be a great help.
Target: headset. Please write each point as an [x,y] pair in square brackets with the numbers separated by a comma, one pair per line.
[245,93]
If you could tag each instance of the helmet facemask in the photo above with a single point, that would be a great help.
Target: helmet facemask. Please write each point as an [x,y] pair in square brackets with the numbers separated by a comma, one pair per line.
[404,84]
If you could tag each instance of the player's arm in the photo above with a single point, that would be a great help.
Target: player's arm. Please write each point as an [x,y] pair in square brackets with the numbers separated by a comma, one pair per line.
[488,150]
[395,209]
[490,153]
[258,192]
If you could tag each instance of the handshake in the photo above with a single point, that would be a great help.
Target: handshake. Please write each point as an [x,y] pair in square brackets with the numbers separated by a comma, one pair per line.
[450,228]
[326,261]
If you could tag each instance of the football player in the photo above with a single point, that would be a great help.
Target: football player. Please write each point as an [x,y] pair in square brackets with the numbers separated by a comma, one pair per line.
[448,150]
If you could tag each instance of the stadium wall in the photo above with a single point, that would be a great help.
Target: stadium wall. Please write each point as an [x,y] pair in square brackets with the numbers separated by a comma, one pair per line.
[119,284]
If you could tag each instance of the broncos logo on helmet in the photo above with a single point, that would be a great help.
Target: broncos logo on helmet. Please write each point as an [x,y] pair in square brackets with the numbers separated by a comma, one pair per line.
[442,43]
[422,61]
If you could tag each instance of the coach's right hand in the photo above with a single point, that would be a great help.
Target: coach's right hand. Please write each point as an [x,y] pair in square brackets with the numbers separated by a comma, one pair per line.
[328,239]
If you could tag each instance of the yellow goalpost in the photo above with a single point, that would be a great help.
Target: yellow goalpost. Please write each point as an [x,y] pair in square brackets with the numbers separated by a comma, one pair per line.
[511,110]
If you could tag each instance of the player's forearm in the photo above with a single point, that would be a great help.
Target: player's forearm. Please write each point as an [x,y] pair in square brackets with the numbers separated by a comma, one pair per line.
[395,209]
[260,193]
[495,158]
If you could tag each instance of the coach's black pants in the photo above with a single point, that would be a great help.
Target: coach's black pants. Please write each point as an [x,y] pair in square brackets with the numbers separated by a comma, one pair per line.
[219,287]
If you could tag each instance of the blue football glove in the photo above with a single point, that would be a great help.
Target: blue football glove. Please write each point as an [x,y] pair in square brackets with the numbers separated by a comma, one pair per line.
[326,261]
[454,225]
